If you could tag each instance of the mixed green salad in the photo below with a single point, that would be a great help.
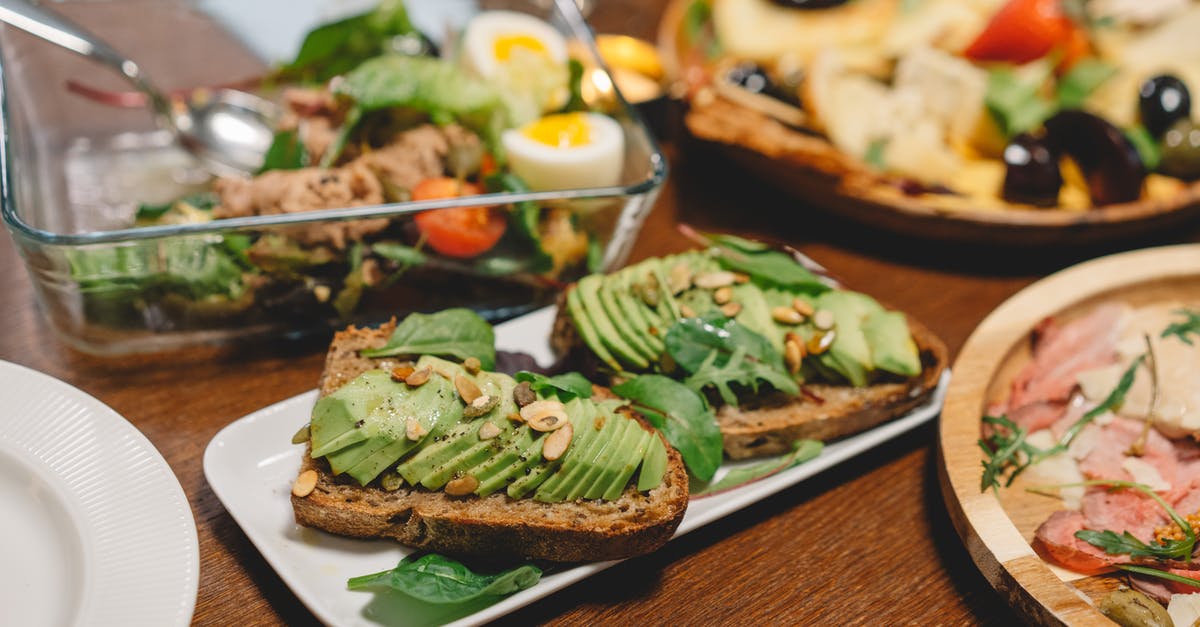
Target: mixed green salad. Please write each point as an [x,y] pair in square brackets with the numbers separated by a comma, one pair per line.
[374,113]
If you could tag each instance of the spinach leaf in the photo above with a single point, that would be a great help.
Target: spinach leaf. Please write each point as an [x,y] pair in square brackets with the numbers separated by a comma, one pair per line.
[764,264]
[802,451]
[437,579]
[287,152]
[460,333]
[718,351]
[203,201]
[525,216]
[338,47]
[1081,80]
[683,417]
[565,386]
[1181,330]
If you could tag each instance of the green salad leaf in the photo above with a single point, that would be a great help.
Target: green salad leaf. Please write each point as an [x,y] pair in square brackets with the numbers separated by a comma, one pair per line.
[1190,325]
[565,386]
[400,253]
[683,417]
[1146,146]
[575,83]
[764,264]
[719,352]
[433,578]
[1126,544]
[338,47]
[1081,80]
[525,216]
[802,451]
[203,201]
[1015,100]
[459,333]
[286,152]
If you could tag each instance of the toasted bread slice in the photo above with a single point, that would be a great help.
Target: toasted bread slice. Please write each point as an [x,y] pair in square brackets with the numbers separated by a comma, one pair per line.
[495,527]
[769,426]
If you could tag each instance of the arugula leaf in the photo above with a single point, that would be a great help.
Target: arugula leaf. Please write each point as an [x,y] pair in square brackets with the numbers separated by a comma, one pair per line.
[764,264]
[1081,80]
[874,155]
[338,47]
[718,351]
[696,19]
[802,451]
[459,333]
[565,386]
[1154,572]
[1146,146]
[437,579]
[1015,101]
[1006,452]
[683,417]
[575,82]
[1190,325]
[287,152]
[401,254]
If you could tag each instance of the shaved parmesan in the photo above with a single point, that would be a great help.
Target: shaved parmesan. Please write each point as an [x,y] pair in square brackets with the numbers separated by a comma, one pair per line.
[1145,473]
[1055,470]
[1184,609]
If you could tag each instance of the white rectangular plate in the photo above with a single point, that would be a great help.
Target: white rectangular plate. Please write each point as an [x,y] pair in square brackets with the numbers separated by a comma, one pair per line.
[251,464]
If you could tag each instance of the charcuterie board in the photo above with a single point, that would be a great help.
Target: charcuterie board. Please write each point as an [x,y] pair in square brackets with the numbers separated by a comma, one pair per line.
[997,526]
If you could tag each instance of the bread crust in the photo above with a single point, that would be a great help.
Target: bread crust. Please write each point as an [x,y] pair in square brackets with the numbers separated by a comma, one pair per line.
[496,527]
[823,412]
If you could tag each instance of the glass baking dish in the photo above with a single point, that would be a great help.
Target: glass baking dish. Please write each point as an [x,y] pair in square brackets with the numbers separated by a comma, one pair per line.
[76,167]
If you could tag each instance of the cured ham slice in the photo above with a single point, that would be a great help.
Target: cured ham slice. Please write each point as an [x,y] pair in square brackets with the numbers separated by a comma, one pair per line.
[1122,510]
[1106,458]
[1062,352]
[1055,541]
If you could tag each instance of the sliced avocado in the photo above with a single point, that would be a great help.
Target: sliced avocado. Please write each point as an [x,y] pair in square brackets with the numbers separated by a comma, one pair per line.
[581,411]
[635,313]
[584,435]
[534,474]
[338,420]
[617,484]
[755,314]
[516,455]
[654,465]
[440,450]
[892,345]
[583,325]
[612,462]
[850,354]
[588,289]
[608,293]
[476,453]
[667,306]
[606,449]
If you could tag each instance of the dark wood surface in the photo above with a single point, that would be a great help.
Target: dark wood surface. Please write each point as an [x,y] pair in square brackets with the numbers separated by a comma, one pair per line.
[867,542]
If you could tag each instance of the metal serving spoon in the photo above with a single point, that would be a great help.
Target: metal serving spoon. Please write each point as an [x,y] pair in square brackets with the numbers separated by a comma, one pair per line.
[229,130]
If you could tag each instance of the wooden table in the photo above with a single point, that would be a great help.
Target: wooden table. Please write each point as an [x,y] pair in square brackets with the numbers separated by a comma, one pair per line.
[867,542]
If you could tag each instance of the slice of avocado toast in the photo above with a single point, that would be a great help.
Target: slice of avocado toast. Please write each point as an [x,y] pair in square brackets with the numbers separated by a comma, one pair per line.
[416,462]
[783,353]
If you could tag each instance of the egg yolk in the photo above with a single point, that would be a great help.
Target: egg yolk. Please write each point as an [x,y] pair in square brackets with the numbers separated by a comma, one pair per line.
[503,46]
[561,130]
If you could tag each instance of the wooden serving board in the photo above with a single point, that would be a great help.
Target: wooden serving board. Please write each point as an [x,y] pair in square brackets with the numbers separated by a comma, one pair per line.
[813,170]
[995,529]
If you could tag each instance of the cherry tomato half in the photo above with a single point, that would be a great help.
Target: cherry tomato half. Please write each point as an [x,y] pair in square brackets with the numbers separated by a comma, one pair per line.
[463,232]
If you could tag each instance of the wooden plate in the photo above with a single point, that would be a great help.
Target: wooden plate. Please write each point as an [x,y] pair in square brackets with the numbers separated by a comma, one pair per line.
[997,530]
[812,169]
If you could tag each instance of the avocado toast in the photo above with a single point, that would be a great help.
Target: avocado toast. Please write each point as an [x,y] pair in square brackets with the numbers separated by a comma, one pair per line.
[413,460]
[783,354]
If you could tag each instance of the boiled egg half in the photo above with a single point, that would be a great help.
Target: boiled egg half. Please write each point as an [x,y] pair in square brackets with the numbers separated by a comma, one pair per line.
[567,151]
[523,56]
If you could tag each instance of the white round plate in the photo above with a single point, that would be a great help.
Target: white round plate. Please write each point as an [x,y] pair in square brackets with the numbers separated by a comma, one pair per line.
[96,530]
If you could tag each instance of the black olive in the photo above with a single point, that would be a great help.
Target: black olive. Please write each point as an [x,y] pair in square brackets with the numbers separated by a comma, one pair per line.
[1031,172]
[1181,151]
[809,4]
[1109,161]
[1162,101]
[752,78]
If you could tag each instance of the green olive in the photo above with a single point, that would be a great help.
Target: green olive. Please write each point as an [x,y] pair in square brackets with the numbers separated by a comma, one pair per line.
[1130,608]
[1181,150]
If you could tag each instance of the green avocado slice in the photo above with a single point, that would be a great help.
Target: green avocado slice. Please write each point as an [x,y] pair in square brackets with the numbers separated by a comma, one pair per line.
[654,465]
[583,324]
[588,289]
[636,452]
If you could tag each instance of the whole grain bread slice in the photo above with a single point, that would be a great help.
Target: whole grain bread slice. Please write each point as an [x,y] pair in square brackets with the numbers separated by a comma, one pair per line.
[770,424]
[496,527]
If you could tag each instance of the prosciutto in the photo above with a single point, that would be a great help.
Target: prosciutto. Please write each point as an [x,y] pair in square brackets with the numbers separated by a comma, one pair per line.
[1061,352]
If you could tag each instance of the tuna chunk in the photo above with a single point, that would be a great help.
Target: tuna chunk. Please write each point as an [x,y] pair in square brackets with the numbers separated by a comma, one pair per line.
[417,154]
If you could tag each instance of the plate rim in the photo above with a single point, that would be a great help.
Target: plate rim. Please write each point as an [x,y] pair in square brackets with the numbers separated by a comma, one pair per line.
[112,429]
[1006,560]
[728,502]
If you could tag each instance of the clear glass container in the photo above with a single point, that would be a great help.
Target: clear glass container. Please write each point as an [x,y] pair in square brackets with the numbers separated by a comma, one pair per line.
[76,167]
